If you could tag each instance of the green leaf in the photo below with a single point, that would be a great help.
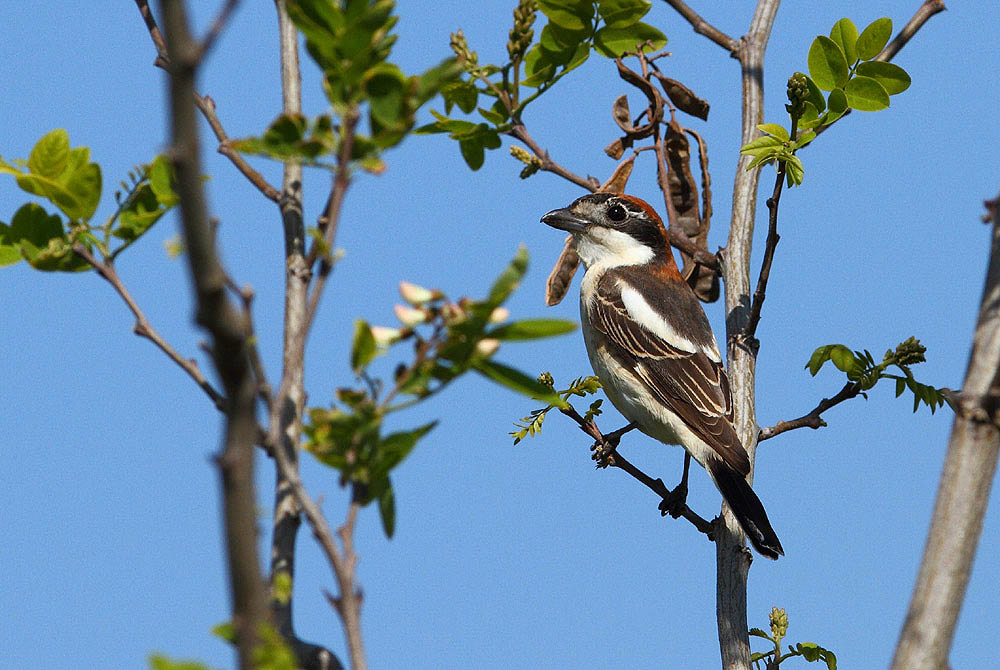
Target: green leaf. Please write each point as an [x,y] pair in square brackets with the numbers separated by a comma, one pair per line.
[161,662]
[827,64]
[33,227]
[362,346]
[613,42]
[809,650]
[845,34]
[472,152]
[570,14]
[761,145]
[387,510]
[757,632]
[843,358]
[558,40]
[532,329]
[461,93]
[509,279]
[622,13]
[893,78]
[775,130]
[538,66]
[142,211]
[394,448]
[161,180]
[10,252]
[50,155]
[837,103]
[794,170]
[815,95]
[517,381]
[820,356]
[873,39]
[866,95]
[225,631]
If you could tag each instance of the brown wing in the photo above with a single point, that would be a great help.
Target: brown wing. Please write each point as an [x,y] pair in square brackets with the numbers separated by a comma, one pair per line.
[689,383]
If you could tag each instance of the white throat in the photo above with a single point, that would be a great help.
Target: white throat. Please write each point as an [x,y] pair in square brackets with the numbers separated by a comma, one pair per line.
[603,248]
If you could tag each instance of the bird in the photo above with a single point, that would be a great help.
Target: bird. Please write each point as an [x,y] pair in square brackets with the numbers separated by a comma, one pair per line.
[653,350]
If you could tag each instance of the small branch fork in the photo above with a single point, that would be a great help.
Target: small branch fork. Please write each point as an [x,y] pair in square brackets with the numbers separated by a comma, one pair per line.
[606,453]
[812,419]
[703,27]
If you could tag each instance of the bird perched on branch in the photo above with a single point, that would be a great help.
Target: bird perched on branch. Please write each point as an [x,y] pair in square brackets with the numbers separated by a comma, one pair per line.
[652,348]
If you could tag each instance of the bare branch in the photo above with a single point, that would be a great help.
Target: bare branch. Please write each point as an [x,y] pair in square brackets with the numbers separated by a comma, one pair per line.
[813,419]
[963,493]
[143,328]
[221,19]
[519,132]
[610,456]
[230,333]
[916,22]
[750,330]
[206,105]
[703,27]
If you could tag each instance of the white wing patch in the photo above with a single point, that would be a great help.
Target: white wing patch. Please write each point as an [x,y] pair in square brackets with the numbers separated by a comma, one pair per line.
[648,318]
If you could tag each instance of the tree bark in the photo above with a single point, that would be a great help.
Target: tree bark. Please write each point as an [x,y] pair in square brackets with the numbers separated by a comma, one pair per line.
[963,492]
[732,558]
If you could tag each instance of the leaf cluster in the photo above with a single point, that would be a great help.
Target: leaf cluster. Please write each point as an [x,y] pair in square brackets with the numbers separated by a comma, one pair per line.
[351,41]
[531,425]
[845,65]
[66,178]
[861,369]
[573,29]
[773,658]
[448,339]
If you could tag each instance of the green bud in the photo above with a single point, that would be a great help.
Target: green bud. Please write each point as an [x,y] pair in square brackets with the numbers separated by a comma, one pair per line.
[779,623]
[908,352]
[522,34]
[546,379]
[461,48]
[798,91]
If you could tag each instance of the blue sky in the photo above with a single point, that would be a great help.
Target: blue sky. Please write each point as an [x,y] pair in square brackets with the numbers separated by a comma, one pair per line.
[504,557]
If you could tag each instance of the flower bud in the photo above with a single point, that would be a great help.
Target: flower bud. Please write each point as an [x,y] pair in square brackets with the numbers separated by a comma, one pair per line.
[487,347]
[385,336]
[417,295]
[410,316]
[499,315]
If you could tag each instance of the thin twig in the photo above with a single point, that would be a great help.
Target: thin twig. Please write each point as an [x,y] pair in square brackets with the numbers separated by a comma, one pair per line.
[143,328]
[703,27]
[519,132]
[813,419]
[916,22]
[335,201]
[614,459]
[215,29]
[207,107]
[750,329]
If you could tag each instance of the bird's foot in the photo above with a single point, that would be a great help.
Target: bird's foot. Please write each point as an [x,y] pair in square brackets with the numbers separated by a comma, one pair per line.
[675,502]
[603,451]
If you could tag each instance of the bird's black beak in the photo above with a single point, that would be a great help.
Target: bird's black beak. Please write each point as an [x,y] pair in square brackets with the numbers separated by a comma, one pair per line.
[563,219]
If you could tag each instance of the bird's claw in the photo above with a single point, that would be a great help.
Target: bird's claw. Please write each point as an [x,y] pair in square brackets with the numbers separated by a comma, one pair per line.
[675,502]
[603,451]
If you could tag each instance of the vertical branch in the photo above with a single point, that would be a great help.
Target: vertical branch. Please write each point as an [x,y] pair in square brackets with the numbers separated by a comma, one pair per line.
[286,414]
[963,493]
[229,330]
[732,559]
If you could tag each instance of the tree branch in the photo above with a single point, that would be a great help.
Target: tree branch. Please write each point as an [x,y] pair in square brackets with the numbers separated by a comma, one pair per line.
[285,416]
[703,27]
[143,328]
[609,456]
[732,558]
[750,330]
[205,103]
[519,132]
[812,419]
[230,333]
[928,9]
[963,493]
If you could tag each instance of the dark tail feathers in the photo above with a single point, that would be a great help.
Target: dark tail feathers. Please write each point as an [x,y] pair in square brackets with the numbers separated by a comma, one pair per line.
[748,509]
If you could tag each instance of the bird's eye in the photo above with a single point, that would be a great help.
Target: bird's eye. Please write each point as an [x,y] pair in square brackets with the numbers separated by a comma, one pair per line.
[617,213]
